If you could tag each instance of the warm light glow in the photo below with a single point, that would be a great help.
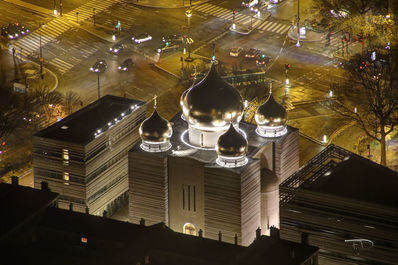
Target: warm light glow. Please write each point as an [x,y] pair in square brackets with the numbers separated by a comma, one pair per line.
[55,12]
[324,139]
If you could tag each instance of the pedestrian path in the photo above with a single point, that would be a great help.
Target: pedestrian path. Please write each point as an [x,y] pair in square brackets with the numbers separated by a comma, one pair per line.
[274,27]
[226,14]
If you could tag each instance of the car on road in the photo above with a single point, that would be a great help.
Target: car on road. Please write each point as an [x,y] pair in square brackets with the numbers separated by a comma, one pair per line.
[235,51]
[142,38]
[116,48]
[252,53]
[173,38]
[125,65]
[14,30]
[262,59]
[99,67]
[250,3]
[168,46]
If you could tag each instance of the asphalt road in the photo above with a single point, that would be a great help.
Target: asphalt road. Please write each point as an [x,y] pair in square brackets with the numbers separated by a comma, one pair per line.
[72,52]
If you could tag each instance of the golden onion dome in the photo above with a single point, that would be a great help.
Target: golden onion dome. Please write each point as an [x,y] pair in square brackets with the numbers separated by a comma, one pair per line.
[231,143]
[271,113]
[212,102]
[155,128]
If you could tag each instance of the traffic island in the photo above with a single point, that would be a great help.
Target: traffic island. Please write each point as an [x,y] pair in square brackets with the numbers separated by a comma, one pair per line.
[32,79]
[309,36]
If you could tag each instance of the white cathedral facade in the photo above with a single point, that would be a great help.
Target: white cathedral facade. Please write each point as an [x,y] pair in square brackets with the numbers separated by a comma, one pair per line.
[206,171]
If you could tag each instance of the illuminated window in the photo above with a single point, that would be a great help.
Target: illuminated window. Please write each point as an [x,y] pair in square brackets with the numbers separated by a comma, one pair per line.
[66,178]
[189,229]
[65,156]
[84,240]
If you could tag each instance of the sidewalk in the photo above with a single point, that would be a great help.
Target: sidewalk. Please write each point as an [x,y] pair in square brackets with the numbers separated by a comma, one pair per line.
[166,4]
[29,6]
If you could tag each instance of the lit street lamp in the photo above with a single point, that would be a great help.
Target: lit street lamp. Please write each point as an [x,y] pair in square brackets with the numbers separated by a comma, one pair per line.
[55,8]
[188,13]
[298,24]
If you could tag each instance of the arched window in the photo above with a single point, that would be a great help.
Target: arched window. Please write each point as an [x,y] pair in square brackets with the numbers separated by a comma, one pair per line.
[189,229]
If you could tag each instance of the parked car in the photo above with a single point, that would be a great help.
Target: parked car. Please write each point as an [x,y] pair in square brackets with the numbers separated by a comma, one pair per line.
[99,66]
[142,38]
[168,46]
[173,38]
[125,65]
[116,48]
[262,59]
[252,53]
[236,51]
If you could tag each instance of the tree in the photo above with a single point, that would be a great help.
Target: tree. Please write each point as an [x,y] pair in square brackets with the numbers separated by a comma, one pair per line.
[370,97]
[365,19]
[71,102]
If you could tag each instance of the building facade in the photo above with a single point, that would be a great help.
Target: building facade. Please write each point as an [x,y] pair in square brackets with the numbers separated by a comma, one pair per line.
[206,172]
[346,205]
[84,156]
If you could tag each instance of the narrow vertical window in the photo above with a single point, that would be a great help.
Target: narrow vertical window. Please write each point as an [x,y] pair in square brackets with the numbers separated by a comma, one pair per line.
[194,198]
[66,178]
[189,197]
[183,197]
[65,156]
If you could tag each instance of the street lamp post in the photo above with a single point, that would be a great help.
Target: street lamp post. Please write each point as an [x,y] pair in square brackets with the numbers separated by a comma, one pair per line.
[41,52]
[55,8]
[94,15]
[298,24]
[99,85]
[188,13]
[60,8]
[77,17]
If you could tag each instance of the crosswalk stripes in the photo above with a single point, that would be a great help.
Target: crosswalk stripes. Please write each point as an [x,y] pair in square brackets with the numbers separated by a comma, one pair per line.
[221,12]
[61,65]
[274,27]
[30,44]
[227,14]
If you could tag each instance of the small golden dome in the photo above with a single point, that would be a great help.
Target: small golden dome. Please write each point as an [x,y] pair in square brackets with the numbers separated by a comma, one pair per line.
[271,113]
[155,128]
[231,143]
[212,102]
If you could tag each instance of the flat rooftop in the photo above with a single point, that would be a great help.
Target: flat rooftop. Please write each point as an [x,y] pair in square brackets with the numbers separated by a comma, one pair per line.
[209,157]
[360,179]
[79,127]
[20,204]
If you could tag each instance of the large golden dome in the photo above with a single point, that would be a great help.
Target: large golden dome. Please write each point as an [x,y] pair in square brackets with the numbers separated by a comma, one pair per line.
[155,128]
[231,143]
[212,102]
[271,113]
